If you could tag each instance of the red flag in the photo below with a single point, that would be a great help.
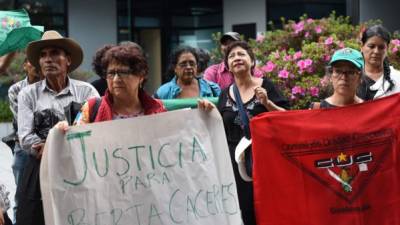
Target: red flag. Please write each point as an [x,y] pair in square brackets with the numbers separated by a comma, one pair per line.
[328,167]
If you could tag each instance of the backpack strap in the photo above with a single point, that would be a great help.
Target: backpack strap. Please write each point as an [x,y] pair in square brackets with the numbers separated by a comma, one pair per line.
[94,109]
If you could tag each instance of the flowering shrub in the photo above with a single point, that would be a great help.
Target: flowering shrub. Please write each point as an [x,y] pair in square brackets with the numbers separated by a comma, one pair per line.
[394,53]
[295,57]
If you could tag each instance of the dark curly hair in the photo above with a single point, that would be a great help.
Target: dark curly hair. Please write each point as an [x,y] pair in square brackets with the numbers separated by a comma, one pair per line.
[243,45]
[382,32]
[173,60]
[96,63]
[204,58]
[127,55]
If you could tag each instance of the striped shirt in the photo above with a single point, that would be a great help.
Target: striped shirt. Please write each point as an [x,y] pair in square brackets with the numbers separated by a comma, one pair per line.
[13,95]
[38,97]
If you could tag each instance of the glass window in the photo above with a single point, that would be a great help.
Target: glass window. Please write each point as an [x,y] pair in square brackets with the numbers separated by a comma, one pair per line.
[180,22]
[48,13]
[293,9]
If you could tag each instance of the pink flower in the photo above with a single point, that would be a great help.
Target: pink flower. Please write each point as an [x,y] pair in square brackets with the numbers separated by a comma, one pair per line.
[304,64]
[297,55]
[298,27]
[310,20]
[307,34]
[269,67]
[283,74]
[396,42]
[276,55]
[314,91]
[301,64]
[329,41]
[287,58]
[327,58]
[395,49]
[324,81]
[260,38]
[318,29]
[297,90]
[308,62]
[341,45]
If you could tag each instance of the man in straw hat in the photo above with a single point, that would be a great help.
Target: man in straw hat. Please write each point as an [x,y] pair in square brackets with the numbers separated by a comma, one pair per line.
[41,106]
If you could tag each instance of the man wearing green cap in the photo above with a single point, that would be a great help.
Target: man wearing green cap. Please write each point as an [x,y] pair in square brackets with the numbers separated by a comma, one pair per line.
[345,75]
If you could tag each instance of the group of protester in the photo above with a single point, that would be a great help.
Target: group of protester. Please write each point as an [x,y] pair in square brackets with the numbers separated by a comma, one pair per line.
[48,97]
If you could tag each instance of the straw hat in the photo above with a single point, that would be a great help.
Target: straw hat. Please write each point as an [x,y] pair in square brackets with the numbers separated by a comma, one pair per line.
[52,38]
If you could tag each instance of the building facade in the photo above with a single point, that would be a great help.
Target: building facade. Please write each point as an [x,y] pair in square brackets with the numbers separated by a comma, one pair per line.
[161,25]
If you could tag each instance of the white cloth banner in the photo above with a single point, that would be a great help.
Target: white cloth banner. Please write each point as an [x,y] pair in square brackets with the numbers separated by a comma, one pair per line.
[168,168]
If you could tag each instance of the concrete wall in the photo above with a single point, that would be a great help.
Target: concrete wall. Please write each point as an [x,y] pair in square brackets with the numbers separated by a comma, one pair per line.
[152,45]
[242,12]
[385,10]
[92,23]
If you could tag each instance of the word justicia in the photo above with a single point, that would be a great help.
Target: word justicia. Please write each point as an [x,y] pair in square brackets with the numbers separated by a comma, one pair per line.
[134,159]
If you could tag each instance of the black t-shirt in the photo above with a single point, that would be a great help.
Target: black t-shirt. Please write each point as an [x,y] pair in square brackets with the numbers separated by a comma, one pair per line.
[100,85]
[234,133]
[322,105]
[230,114]
[364,91]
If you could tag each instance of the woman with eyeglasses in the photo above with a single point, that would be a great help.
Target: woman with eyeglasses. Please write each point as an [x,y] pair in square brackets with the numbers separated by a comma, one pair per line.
[185,82]
[126,70]
[345,70]
[379,78]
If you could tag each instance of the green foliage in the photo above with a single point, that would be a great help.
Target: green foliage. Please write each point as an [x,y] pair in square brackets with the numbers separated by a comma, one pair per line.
[295,57]
[5,112]
[15,72]
[216,55]
[81,75]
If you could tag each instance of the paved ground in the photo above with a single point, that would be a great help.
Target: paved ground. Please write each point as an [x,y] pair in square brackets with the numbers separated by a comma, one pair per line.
[6,175]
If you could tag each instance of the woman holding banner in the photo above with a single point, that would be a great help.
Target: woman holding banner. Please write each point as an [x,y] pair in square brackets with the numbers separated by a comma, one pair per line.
[126,71]
[379,79]
[246,98]
[345,75]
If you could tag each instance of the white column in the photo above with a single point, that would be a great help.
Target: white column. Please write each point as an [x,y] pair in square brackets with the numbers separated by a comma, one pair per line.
[242,12]
[93,23]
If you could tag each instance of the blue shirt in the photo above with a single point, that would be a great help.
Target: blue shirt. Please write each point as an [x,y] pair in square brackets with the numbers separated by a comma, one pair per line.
[171,89]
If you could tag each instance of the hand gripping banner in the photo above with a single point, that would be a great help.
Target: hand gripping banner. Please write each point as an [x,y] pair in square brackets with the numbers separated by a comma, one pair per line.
[328,167]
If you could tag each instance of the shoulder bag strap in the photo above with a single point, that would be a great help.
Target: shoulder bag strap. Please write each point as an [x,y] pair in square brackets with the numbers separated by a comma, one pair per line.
[242,112]
[94,110]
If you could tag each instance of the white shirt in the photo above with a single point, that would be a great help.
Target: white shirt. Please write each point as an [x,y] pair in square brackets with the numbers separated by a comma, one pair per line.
[381,85]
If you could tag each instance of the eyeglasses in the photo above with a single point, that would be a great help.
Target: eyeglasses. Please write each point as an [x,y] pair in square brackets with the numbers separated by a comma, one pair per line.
[186,63]
[121,73]
[348,73]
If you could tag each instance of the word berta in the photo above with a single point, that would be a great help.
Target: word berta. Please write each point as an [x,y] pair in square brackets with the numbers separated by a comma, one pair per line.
[122,161]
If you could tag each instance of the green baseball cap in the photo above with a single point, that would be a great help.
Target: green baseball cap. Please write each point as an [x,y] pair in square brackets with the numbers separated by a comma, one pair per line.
[348,54]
